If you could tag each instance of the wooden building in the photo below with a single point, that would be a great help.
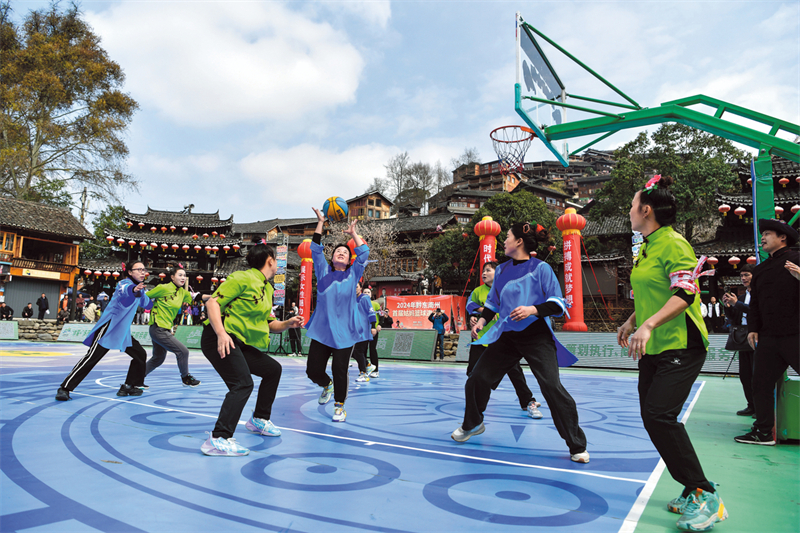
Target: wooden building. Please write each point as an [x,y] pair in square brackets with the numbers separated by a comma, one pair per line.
[39,249]
[369,206]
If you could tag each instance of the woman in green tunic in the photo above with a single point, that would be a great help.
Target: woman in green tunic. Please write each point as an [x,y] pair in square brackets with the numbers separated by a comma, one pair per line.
[670,344]
[168,300]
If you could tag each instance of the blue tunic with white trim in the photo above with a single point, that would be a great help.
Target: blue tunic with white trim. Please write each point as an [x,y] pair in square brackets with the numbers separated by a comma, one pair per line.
[119,313]
[530,282]
[367,317]
[336,321]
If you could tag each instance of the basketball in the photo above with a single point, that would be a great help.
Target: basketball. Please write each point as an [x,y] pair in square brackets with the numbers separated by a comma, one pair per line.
[335,208]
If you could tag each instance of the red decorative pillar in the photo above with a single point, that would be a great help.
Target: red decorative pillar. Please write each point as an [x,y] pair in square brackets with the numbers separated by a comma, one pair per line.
[488,230]
[306,275]
[570,224]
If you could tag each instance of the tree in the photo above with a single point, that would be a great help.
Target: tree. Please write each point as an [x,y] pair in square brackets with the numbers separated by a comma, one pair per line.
[441,177]
[112,217]
[64,115]
[380,236]
[699,162]
[470,155]
[378,185]
[397,174]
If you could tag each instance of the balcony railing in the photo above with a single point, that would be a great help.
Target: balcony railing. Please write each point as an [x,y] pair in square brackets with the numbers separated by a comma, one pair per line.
[46,266]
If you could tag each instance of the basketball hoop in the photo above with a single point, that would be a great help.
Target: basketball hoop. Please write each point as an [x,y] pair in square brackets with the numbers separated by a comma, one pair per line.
[510,144]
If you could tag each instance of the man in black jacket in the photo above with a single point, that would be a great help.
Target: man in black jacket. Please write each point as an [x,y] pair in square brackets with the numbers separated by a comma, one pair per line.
[6,313]
[737,311]
[27,311]
[43,304]
[773,323]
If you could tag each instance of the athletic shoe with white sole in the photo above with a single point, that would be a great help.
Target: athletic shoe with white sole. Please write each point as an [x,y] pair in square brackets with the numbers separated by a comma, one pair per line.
[327,393]
[339,414]
[363,377]
[459,435]
[582,457]
[756,437]
[262,427]
[533,410]
[189,381]
[220,447]
[703,510]
[678,505]
[374,374]
[371,368]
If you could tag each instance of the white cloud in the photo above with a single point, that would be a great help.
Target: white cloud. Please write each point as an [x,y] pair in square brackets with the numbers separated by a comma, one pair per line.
[211,64]
[377,12]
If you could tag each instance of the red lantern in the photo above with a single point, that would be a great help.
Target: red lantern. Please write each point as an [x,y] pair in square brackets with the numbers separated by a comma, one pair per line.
[226,248]
[185,247]
[724,208]
[115,274]
[795,208]
[132,243]
[734,261]
[163,229]
[129,224]
[214,233]
[740,211]
[215,249]
[185,229]
[195,236]
[778,210]
[235,247]
[465,235]
[797,179]
[153,245]
[143,244]
[110,239]
[199,277]
[551,248]
[120,241]
[534,254]
[221,235]
[784,181]
[106,274]
[141,225]
[222,280]
[97,273]
[208,249]
[172,228]
[197,248]
[205,235]
[751,260]
[214,279]
[164,246]
[175,247]
[153,229]
[713,261]
[162,275]
[750,181]
[87,272]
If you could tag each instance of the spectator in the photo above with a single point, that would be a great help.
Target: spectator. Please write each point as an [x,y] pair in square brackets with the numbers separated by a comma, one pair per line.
[90,312]
[713,316]
[6,313]
[296,349]
[80,302]
[737,312]
[27,311]
[438,320]
[773,323]
[102,300]
[43,305]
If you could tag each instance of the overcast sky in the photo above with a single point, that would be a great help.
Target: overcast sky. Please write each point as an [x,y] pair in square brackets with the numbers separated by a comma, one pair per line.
[263,109]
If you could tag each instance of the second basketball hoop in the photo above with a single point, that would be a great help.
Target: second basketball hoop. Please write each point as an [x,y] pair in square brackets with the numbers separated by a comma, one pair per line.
[511,143]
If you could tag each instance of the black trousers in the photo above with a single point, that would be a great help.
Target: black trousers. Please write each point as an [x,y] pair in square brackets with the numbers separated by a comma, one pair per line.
[96,352]
[360,355]
[516,376]
[41,313]
[746,367]
[235,370]
[440,345]
[539,351]
[373,350]
[318,355]
[665,381]
[294,340]
[773,356]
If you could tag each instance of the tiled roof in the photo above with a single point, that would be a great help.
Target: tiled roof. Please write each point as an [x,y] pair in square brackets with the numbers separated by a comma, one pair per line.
[743,248]
[607,226]
[173,218]
[540,189]
[370,194]
[783,197]
[19,214]
[265,226]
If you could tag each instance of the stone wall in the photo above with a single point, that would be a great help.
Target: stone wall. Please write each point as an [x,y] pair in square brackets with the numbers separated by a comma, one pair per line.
[450,345]
[38,330]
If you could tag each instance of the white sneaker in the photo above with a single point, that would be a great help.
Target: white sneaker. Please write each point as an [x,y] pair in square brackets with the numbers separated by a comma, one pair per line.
[223,447]
[327,393]
[371,368]
[459,435]
[339,414]
[374,374]
[582,457]
[363,377]
[534,411]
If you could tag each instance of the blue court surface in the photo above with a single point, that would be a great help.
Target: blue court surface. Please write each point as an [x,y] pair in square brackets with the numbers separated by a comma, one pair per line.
[103,463]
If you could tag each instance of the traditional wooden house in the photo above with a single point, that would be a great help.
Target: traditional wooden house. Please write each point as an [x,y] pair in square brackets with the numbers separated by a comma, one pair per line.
[39,248]
[461,202]
[368,206]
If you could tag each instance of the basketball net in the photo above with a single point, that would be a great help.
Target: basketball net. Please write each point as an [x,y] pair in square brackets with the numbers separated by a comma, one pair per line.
[511,143]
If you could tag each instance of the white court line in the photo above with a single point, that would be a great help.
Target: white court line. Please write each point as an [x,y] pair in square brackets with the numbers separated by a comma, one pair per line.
[374,443]
[630,522]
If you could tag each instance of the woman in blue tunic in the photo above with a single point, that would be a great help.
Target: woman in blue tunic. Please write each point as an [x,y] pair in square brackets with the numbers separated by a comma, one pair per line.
[335,327]
[524,294]
[367,324]
[113,332]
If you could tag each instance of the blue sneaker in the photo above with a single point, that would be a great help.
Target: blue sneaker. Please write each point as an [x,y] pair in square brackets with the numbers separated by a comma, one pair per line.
[678,505]
[459,435]
[702,511]
[262,427]
[223,447]
[326,395]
